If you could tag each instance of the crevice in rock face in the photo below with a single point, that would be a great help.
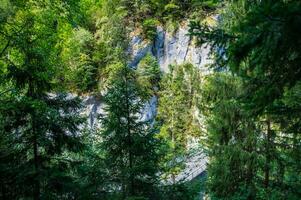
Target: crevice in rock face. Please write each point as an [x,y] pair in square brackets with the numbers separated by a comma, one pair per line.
[187,50]
[92,109]
[168,48]
[158,47]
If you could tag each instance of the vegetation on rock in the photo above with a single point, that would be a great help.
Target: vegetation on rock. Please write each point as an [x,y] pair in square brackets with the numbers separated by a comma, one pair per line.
[244,114]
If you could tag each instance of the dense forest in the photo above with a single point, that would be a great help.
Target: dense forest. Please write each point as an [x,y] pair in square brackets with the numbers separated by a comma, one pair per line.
[242,114]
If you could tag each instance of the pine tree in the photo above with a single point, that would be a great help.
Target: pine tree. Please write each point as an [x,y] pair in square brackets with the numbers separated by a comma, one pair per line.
[128,142]
[176,113]
[37,125]
[259,42]
[149,75]
[231,141]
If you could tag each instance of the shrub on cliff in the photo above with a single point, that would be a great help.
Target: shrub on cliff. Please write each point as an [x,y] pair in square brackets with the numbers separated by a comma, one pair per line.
[149,27]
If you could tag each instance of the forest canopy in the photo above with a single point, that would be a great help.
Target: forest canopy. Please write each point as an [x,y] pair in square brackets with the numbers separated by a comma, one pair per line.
[240,114]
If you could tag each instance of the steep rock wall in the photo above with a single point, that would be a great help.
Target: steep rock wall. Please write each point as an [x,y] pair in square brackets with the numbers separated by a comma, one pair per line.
[170,48]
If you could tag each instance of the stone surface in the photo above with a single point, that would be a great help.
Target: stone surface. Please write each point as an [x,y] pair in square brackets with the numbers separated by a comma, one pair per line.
[168,48]
[138,49]
[150,109]
[93,108]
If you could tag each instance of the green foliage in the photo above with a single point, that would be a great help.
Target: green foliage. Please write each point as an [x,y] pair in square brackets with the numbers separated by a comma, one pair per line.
[88,49]
[164,11]
[258,54]
[78,46]
[149,27]
[129,144]
[183,191]
[78,50]
[207,4]
[136,198]
[149,74]
[176,113]
[90,174]
[172,10]
[257,41]
[231,138]
[38,127]
[247,117]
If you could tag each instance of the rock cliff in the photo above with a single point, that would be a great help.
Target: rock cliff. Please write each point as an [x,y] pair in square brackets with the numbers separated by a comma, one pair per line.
[170,48]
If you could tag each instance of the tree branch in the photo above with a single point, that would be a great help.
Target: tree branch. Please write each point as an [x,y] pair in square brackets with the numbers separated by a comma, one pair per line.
[4,49]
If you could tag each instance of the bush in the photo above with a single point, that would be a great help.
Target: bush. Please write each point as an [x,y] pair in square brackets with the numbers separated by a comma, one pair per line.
[171,8]
[181,191]
[149,74]
[136,198]
[85,77]
[149,27]
[172,11]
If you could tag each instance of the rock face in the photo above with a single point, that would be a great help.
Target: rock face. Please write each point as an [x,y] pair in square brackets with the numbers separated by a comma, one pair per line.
[171,48]
[168,48]
[195,165]
[93,109]
[150,109]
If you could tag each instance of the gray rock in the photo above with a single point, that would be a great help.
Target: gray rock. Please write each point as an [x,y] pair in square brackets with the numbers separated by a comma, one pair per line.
[93,109]
[138,50]
[150,109]
[168,48]
[178,48]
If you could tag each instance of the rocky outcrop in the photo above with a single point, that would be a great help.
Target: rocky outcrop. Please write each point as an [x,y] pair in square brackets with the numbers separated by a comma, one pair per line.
[93,108]
[168,48]
[171,48]
[138,49]
[150,109]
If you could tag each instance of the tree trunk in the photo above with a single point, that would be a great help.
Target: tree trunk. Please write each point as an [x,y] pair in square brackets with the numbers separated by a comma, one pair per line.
[36,165]
[131,178]
[36,187]
[268,156]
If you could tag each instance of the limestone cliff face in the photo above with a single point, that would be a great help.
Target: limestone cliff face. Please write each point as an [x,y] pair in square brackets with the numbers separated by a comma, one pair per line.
[93,108]
[170,48]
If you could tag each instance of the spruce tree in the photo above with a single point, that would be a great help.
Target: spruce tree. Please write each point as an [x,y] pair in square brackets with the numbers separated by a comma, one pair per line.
[129,143]
[231,139]
[37,124]
[149,75]
[176,114]
[259,42]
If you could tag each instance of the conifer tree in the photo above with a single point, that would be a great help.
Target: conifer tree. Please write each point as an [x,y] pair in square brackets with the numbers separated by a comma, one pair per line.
[259,42]
[37,125]
[231,139]
[176,113]
[149,75]
[129,143]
